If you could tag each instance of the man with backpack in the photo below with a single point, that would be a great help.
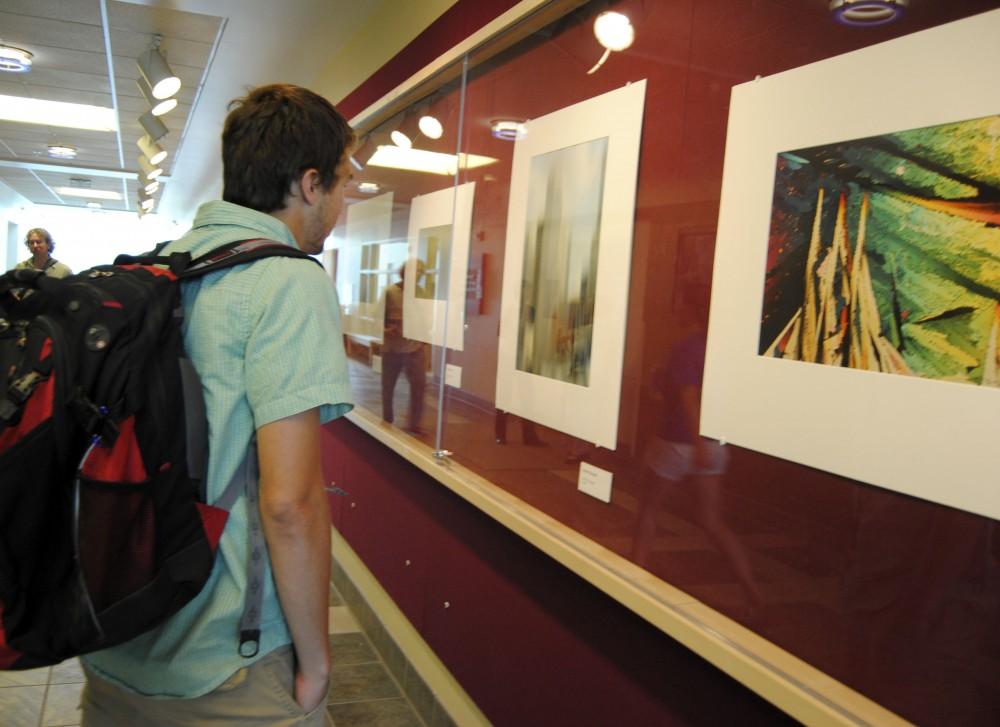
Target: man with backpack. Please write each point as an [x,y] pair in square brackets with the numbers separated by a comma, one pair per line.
[266,342]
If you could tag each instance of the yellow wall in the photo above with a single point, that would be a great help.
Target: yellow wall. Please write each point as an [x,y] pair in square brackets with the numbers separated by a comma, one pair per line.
[389,29]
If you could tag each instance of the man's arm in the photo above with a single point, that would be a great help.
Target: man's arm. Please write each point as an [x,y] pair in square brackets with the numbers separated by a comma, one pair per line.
[296,524]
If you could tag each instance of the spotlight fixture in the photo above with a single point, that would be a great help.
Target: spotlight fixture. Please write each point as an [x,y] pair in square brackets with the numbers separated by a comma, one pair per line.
[508,129]
[400,139]
[157,107]
[867,13]
[15,60]
[150,187]
[149,171]
[62,151]
[615,32]
[155,128]
[151,150]
[430,127]
[157,74]
[148,204]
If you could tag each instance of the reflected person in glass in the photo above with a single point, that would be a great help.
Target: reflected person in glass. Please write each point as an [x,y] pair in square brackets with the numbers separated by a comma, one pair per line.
[401,354]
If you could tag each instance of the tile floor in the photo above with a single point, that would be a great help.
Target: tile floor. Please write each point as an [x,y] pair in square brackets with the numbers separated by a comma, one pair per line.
[364,692]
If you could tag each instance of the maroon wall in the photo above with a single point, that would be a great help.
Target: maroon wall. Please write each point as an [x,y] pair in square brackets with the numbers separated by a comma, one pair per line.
[529,641]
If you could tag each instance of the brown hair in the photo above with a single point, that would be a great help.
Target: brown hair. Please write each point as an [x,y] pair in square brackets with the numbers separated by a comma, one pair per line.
[273,135]
[44,234]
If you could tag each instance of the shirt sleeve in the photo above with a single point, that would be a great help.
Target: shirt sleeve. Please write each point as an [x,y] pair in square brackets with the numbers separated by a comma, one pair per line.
[295,351]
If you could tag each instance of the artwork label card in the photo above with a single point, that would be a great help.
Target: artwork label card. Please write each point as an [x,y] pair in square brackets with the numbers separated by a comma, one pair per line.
[595,482]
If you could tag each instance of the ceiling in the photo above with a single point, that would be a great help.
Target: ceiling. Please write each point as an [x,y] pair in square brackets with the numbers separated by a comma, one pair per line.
[85,51]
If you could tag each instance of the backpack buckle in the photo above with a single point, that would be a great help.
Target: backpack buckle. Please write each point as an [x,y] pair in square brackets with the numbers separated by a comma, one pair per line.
[95,420]
[21,387]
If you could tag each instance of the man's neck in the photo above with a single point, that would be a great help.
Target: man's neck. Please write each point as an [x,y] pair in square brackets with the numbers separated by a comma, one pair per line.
[39,264]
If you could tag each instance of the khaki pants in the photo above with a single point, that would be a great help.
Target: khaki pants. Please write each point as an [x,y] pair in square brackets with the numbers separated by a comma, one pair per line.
[260,695]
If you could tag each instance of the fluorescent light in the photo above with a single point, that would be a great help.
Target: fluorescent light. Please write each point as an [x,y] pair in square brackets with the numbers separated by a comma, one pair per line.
[420,160]
[400,139]
[430,127]
[57,113]
[91,193]
[94,205]
[15,60]
[368,187]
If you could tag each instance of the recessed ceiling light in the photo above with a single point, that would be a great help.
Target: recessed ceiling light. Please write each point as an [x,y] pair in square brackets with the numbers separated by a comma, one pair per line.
[867,13]
[614,30]
[91,193]
[57,113]
[430,127]
[368,187]
[508,129]
[15,60]
[420,160]
[62,151]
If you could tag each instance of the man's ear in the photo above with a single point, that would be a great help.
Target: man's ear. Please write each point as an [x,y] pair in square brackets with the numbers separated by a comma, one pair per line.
[309,186]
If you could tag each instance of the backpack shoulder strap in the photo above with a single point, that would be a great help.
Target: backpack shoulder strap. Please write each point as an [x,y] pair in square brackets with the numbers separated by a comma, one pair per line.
[241,251]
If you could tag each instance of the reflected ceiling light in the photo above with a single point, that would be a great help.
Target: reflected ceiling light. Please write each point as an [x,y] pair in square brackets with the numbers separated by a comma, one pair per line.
[162,81]
[15,60]
[151,186]
[94,205]
[149,171]
[147,204]
[400,139]
[355,163]
[508,129]
[57,113]
[62,151]
[83,192]
[430,127]
[151,150]
[157,108]
[615,32]
[368,187]
[420,160]
[867,13]
[155,128]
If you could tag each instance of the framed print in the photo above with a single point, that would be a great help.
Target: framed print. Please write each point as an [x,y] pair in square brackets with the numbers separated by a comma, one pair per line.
[438,239]
[566,265]
[364,269]
[856,292]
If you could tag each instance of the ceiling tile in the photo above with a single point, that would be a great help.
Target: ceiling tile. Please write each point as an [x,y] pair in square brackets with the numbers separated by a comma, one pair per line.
[24,32]
[77,12]
[166,22]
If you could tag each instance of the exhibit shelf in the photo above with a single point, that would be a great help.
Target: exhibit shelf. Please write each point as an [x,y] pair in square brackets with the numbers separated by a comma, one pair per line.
[789,683]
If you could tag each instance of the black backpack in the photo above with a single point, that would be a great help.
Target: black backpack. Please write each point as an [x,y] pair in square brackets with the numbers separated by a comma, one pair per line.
[104,527]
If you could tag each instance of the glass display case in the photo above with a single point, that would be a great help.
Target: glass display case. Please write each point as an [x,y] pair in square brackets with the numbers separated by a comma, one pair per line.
[525,269]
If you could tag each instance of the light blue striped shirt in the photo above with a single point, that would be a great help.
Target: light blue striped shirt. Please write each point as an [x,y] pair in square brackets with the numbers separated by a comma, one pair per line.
[265,338]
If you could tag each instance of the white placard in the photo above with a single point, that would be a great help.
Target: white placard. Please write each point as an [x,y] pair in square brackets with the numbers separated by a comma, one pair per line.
[377,364]
[928,438]
[595,482]
[438,238]
[453,375]
[568,255]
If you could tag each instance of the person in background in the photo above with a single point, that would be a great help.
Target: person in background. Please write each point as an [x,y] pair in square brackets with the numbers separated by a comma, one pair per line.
[400,354]
[266,342]
[39,242]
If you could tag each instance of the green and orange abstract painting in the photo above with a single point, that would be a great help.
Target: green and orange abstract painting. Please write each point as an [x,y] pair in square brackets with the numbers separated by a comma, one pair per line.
[884,254]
